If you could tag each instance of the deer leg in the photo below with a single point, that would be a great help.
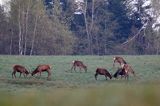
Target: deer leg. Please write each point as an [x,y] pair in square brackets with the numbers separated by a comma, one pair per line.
[106,77]
[96,76]
[85,70]
[127,76]
[24,75]
[49,75]
[80,69]
[72,68]
[20,75]
[134,73]
[114,63]
[13,75]
[122,76]
[75,68]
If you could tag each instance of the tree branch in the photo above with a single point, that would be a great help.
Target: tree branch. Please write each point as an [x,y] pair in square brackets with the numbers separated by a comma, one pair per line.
[131,39]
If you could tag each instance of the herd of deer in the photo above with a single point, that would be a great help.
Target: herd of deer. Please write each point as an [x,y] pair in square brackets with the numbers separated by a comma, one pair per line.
[123,71]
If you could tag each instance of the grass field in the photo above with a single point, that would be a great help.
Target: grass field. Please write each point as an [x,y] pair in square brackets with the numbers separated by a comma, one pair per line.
[80,88]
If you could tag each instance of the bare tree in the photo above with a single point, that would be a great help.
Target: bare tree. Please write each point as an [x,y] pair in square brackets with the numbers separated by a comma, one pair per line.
[11,42]
[92,18]
[34,34]
[26,27]
[87,29]
[20,30]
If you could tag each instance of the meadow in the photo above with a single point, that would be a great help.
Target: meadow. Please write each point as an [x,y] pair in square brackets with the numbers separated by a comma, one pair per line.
[68,88]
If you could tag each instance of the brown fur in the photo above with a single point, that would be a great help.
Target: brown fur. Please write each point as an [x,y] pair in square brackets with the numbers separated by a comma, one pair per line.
[79,64]
[119,60]
[128,69]
[102,71]
[121,72]
[21,69]
[42,68]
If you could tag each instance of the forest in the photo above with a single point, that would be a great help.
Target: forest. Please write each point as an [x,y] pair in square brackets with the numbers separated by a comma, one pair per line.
[59,27]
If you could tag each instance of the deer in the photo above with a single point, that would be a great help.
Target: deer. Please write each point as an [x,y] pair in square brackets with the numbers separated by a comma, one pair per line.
[119,60]
[102,71]
[42,68]
[79,64]
[128,69]
[21,69]
[121,72]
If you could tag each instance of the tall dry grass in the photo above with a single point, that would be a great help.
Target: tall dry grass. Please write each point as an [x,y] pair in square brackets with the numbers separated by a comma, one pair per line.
[112,95]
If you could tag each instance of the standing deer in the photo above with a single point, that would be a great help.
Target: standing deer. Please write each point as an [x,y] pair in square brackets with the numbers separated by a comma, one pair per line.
[119,60]
[128,69]
[79,64]
[21,69]
[102,71]
[42,68]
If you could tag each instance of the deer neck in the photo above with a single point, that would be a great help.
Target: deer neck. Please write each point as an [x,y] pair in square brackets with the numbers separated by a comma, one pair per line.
[122,65]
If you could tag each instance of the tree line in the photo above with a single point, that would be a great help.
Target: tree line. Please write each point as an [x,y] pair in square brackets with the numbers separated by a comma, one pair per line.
[104,27]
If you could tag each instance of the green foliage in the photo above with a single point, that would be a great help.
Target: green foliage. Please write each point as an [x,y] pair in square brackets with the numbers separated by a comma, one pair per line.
[4,31]
[119,10]
[29,26]
[44,34]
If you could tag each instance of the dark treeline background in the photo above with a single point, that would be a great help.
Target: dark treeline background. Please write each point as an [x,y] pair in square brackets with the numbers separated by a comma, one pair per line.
[62,27]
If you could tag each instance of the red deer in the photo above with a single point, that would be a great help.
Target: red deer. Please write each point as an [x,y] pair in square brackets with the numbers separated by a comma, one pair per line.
[20,69]
[121,72]
[119,60]
[102,71]
[42,68]
[128,69]
[79,64]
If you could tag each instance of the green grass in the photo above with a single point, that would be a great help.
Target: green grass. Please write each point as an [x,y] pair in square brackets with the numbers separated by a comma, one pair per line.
[80,88]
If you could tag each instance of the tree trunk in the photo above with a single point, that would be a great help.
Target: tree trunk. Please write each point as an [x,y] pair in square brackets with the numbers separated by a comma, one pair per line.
[87,30]
[91,29]
[11,43]
[20,33]
[34,34]
[158,44]
[97,45]
[26,29]
[23,29]
[92,19]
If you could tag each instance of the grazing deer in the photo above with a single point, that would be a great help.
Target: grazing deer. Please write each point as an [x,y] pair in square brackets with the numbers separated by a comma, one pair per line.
[79,64]
[20,69]
[42,68]
[119,60]
[102,71]
[121,72]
